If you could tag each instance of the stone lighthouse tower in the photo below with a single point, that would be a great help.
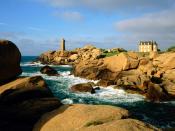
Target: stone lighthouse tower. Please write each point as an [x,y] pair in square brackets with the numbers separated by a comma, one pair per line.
[62,45]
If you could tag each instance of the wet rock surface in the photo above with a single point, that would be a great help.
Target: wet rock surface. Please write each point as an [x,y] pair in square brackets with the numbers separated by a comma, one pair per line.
[83,87]
[49,71]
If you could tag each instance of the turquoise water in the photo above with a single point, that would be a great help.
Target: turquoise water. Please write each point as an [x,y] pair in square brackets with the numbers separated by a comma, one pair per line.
[159,114]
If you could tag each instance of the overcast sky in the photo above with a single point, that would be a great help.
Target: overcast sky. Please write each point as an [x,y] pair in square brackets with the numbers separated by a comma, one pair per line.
[38,25]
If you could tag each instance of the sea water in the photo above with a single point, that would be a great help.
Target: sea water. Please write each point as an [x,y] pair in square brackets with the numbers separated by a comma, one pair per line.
[158,114]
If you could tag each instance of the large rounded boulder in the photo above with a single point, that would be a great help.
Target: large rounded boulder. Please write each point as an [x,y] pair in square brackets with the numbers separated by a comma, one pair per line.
[49,71]
[122,62]
[81,117]
[23,101]
[10,58]
[83,87]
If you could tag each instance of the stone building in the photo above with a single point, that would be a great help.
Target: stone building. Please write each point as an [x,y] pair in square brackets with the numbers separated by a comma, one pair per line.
[62,45]
[148,46]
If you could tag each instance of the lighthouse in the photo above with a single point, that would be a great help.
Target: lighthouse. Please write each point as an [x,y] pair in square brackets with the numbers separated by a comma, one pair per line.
[62,45]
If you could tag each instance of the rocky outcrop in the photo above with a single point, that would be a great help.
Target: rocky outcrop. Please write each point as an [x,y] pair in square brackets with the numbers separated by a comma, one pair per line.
[105,83]
[73,57]
[109,68]
[168,74]
[86,53]
[10,57]
[130,71]
[155,93]
[19,89]
[49,71]
[89,70]
[55,57]
[169,87]
[123,125]
[91,118]
[89,53]
[83,87]
[153,55]
[165,61]
[133,73]
[23,101]
[121,62]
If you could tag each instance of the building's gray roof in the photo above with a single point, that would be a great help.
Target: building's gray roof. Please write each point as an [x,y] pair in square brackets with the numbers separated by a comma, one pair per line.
[147,43]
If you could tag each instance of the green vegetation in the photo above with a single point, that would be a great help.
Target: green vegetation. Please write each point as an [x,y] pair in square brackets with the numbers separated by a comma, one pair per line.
[159,50]
[94,123]
[172,49]
[108,54]
[112,52]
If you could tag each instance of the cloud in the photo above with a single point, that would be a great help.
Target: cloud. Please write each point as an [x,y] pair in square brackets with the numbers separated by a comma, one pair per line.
[125,5]
[111,4]
[156,23]
[155,26]
[70,15]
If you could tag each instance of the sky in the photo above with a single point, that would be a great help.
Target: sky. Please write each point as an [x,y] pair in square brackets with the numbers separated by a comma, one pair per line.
[36,26]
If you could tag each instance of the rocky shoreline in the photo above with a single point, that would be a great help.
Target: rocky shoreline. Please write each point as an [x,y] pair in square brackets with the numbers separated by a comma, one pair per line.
[151,75]
[28,104]
[23,100]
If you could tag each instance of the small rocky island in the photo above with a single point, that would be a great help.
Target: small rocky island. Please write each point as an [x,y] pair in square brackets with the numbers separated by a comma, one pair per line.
[26,103]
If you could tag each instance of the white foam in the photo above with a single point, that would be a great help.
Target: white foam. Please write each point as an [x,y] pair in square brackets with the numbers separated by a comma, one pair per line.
[65,65]
[65,73]
[67,101]
[112,95]
[38,64]
[169,102]
[105,93]
[81,100]
[108,91]
[32,64]
[76,80]
[30,74]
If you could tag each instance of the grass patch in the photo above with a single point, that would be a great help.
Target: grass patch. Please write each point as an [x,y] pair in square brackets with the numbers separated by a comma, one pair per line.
[171,49]
[108,54]
[111,52]
[93,123]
